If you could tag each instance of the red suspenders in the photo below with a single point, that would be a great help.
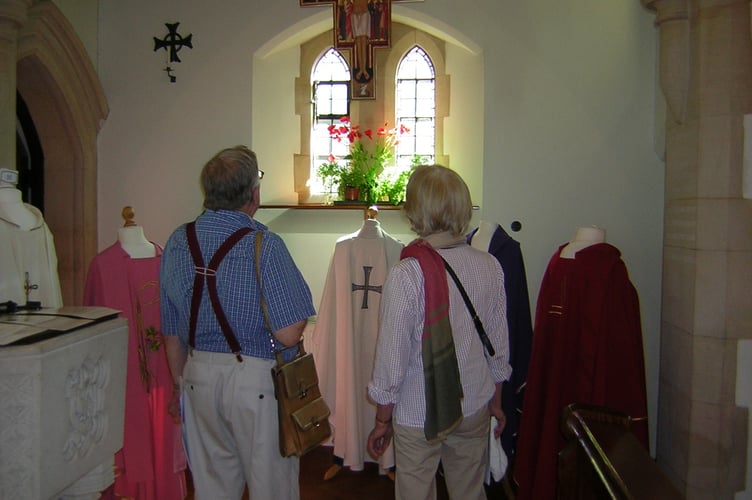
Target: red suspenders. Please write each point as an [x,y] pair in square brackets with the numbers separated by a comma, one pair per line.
[210,273]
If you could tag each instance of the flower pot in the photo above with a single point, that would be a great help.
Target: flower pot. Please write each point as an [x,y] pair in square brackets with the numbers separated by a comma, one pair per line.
[352,193]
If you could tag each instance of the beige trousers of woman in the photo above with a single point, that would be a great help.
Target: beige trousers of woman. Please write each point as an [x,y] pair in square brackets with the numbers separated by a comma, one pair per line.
[463,455]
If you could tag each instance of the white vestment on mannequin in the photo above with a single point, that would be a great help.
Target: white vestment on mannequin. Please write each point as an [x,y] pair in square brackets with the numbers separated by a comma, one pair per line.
[344,337]
[29,251]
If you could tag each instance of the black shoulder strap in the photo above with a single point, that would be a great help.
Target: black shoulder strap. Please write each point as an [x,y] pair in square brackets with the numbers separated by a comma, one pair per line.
[210,274]
[478,323]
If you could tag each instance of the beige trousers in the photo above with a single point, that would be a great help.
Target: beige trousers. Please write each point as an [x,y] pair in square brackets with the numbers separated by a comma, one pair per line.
[231,429]
[463,455]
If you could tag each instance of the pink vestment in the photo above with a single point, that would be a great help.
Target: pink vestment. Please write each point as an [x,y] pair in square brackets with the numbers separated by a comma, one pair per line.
[152,462]
[344,337]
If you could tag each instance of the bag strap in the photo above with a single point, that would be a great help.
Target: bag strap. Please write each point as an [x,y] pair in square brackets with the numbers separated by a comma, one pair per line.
[265,310]
[478,323]
[209,273]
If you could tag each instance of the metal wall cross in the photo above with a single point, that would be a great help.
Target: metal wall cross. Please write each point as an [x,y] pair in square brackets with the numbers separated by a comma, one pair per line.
[172,43]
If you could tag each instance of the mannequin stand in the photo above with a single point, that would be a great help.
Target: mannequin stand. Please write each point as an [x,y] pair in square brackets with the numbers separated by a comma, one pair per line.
[132,239]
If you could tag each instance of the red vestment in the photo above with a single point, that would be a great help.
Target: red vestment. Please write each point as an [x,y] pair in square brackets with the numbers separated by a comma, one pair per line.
[587,348]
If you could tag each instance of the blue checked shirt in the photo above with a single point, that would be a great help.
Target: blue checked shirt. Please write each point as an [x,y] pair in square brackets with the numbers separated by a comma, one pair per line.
[287,295]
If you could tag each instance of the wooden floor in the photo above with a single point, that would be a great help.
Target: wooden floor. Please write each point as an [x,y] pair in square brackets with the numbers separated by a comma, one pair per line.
[367,484]
[363,485]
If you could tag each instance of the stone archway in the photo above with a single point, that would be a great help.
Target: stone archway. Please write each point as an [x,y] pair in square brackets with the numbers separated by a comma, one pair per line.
[58,82]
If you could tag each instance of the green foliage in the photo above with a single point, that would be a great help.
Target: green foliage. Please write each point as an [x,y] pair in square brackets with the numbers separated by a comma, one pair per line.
[329,173]
[358,170]
[418,160]
[391,187]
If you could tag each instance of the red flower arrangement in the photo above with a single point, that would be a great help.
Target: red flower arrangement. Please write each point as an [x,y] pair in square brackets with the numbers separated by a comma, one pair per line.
[361,167]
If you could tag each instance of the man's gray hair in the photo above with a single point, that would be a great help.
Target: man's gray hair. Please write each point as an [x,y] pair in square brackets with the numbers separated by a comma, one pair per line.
[228,179]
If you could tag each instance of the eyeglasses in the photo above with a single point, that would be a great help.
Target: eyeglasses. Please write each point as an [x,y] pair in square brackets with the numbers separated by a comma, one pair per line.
[261,174]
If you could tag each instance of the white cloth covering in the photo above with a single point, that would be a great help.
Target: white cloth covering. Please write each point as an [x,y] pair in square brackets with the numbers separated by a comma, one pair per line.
[28,251]
[344,337]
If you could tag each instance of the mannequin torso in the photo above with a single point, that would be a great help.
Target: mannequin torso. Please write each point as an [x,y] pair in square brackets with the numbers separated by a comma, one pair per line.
[13,210]
[583,237]
[134,242]
[482,237]
[370,229]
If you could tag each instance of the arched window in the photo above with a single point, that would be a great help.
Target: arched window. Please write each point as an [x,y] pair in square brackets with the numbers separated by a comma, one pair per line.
[411,87]
[330,84]
[416,107]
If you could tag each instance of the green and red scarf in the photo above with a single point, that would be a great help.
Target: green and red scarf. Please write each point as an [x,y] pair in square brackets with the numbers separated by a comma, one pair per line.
[443,387]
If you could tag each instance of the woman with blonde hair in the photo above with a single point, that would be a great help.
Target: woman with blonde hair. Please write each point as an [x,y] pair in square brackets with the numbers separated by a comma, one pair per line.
[439,367]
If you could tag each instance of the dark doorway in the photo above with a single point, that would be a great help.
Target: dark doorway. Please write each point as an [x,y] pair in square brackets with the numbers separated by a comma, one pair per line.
[29,157]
